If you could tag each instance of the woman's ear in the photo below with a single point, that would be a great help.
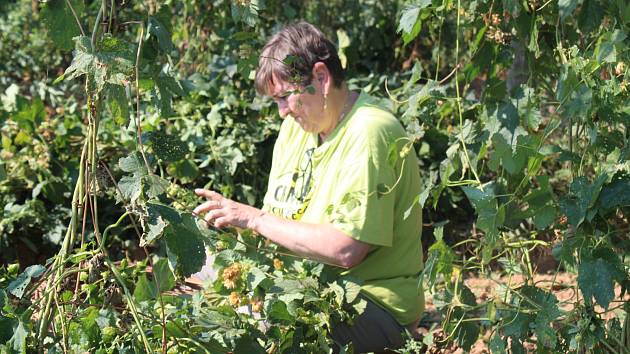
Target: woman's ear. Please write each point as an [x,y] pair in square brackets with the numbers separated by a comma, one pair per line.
[321,77]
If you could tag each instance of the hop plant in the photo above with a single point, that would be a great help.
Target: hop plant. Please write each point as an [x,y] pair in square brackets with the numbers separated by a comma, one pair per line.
[278,264]
[620,68]
[257,304]
[234,299]
[231,275]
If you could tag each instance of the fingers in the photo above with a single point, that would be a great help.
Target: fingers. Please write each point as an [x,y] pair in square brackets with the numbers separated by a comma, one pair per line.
[208,194]
[213,215]
[221,222]
[207,206]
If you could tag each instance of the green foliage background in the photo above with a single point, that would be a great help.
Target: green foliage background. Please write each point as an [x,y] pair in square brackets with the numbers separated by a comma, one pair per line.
[519,114]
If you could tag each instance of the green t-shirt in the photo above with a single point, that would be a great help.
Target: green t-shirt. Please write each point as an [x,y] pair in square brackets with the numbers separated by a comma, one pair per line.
[351,182]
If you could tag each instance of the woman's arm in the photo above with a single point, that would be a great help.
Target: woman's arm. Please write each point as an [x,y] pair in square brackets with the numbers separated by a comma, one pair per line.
[320,242]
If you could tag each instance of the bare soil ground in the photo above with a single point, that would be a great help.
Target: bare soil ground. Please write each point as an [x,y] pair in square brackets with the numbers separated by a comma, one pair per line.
[562,285]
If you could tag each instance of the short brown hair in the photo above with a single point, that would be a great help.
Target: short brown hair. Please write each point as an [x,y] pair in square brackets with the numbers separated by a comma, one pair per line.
[291,53]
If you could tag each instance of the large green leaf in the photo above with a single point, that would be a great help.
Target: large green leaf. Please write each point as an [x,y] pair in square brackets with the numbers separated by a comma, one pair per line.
[161,33]
[167,88]
[61,23]
[17,343]
[440,259]
[591,16]
[6,329]
[184,241]
[130,187]
[595,279]
[18,286]
[133,163]
[503,156]
[112,62]
[154,185]
[581,197]
[410,23]
[615,194]
[579,102]
[545,305]
[163,275]
[167,147]
[466,335]
[490,215]
[145,289]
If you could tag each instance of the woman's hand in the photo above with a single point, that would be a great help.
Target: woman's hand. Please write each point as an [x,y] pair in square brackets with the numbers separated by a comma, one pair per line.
[222,212]
[321,242]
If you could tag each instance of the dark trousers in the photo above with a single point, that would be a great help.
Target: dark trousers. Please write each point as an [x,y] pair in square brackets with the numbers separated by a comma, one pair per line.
[375,330]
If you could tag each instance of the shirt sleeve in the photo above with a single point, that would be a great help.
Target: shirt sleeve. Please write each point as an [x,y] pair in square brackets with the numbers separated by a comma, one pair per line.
[363,206]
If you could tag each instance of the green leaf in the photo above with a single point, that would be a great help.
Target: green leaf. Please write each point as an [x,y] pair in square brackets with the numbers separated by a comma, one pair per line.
[503,156]
[490,217]
[248,344]
[440,259]
[545,306]
[466,335]
[497,345]
[154,224]
[167,147]
[277,311]
[185,246]
[255,277]
[581,197]
[83,60]
[606,49]
[18,286]
[516,324]
[338,291]
[102,66]
[579,102]
[410,19]
[61,23]
[162,34]
[155,185]
[163,275]
[18,341]
[6,329]
[352,290]
[615,194]
[185,170]
[591,16]
[360,306]
[595,279]
[118,103]
[545,216]
[167,88]
[145,289]
[343,42]
[133,163]
[410,36]
[130,187]
[567,7]
[246,12]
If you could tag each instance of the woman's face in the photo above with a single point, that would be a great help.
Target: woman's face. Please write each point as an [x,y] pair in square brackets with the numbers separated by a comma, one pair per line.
[305,105]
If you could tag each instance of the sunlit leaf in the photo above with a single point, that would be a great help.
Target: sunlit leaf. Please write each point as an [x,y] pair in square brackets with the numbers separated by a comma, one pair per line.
[18,286]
